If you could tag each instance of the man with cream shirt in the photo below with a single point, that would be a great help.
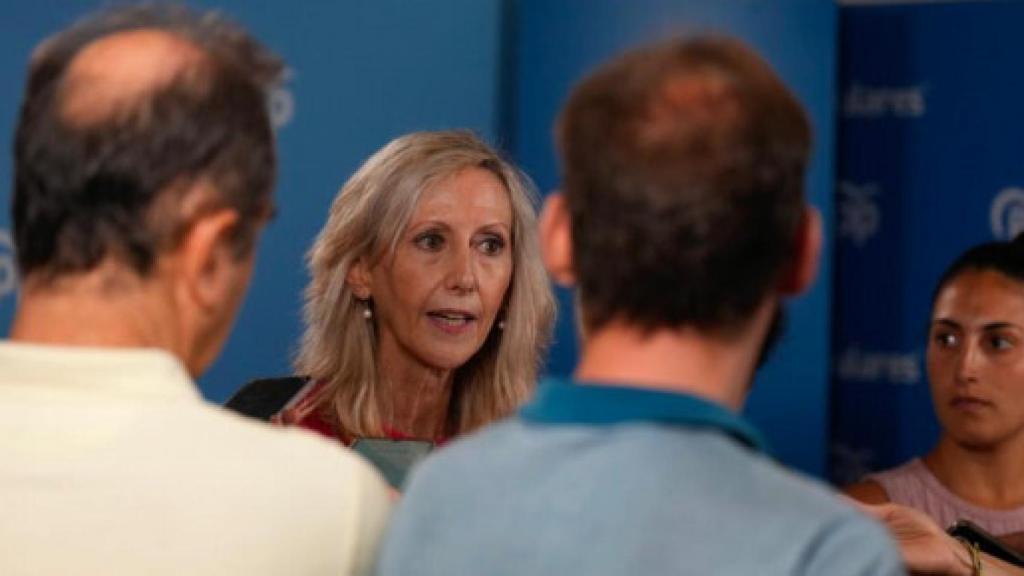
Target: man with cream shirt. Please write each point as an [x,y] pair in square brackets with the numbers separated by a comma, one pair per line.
[144,169]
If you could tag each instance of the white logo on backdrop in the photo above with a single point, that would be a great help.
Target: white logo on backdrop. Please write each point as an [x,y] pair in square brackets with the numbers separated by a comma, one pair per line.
[8,270]
[879,366]
[859,215]
[850,464]
[878,101]
[1007,213]
[282,106]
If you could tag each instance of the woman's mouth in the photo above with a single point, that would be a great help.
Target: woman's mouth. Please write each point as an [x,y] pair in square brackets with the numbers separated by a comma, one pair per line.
[969,403]
[452,321]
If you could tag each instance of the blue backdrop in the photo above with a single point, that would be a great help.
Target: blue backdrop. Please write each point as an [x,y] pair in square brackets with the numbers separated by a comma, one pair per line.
[365,71]
[929,162]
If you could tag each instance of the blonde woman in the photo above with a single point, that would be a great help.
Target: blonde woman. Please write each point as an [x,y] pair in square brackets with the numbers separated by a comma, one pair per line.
[428,309]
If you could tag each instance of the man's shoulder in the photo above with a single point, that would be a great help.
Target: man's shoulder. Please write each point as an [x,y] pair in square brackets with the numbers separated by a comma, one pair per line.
[766,487]
[501,440]
[261,442]
[804,515]
[294,472]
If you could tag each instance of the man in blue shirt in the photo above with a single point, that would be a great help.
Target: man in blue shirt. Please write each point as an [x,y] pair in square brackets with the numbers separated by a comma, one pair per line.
[683,223]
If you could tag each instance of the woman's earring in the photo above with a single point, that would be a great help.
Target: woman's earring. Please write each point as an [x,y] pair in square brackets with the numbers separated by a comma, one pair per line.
[367,313]
[501,324]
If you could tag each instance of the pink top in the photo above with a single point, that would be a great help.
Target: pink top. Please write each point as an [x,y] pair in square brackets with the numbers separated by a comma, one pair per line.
[914,485]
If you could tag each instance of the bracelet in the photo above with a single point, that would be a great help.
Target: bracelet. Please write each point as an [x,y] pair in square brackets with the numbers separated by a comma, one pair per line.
[975,552]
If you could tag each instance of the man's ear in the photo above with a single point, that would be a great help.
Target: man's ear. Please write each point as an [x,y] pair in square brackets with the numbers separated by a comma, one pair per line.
[359,279]
[207,260]
[803,267]
[556,239]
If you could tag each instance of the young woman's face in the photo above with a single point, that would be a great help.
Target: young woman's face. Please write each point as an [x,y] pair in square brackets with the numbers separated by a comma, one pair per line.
[976,358]
[437,299]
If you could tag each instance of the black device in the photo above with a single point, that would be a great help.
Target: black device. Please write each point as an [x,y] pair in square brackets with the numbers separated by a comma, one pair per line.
[986,542]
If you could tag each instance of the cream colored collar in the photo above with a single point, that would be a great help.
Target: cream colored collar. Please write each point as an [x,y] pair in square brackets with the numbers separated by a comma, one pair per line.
[131,372]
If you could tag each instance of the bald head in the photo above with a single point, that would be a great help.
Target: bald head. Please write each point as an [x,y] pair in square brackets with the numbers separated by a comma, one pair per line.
[123,115]
[120,71]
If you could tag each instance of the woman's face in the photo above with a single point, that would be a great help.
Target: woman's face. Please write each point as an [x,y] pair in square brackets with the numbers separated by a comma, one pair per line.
[976,358]
[437,298]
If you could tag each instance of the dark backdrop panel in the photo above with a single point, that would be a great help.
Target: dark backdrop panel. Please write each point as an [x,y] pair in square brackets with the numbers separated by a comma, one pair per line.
[929,163]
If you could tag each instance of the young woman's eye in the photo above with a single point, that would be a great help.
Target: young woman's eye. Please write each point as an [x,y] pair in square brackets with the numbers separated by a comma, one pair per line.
[1000,342]
[492,245]
[946,339]
[429,241]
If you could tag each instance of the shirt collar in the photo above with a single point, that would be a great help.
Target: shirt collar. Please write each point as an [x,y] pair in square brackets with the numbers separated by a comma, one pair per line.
[126,372]
[560,401]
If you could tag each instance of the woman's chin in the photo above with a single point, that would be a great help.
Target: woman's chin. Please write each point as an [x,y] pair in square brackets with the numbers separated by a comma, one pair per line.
[449,358]
[976,438]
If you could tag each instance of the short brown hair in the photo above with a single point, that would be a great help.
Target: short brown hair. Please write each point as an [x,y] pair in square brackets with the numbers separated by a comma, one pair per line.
[683,172]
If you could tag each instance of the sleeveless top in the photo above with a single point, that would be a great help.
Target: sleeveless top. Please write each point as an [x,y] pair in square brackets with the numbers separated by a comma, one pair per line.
[913,484]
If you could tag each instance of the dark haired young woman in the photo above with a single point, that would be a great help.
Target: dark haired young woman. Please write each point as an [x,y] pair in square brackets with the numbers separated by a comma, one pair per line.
[976,370]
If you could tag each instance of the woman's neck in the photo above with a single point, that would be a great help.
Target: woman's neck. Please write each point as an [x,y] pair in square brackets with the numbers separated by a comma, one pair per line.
[414,399]
[990,478]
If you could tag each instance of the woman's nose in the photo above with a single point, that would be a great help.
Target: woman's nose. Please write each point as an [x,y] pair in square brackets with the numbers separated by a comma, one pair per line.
[967,363]
[462,272]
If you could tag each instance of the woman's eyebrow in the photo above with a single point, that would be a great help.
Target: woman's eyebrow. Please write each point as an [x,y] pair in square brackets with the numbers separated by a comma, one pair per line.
[999,326]
[430,224]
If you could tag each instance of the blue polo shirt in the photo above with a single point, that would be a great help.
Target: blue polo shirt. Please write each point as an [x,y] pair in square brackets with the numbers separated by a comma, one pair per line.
[565,402]
[602,480]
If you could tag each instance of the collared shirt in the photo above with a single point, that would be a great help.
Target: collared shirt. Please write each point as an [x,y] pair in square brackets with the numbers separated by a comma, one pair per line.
[561,401]
[111,463]
[604,480]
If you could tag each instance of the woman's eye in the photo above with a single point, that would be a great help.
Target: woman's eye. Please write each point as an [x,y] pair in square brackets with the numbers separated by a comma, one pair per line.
[430,241]
[492,246]
[946,339]
[1000,343]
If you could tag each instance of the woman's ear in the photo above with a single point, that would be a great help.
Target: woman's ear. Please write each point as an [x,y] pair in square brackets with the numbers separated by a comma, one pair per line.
[556,239]
[359,279]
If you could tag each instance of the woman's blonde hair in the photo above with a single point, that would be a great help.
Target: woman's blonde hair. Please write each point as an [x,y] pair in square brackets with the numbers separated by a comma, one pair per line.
[368,217]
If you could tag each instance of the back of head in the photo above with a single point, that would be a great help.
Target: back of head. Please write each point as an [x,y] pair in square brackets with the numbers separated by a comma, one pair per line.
[683,173]
[124,113]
